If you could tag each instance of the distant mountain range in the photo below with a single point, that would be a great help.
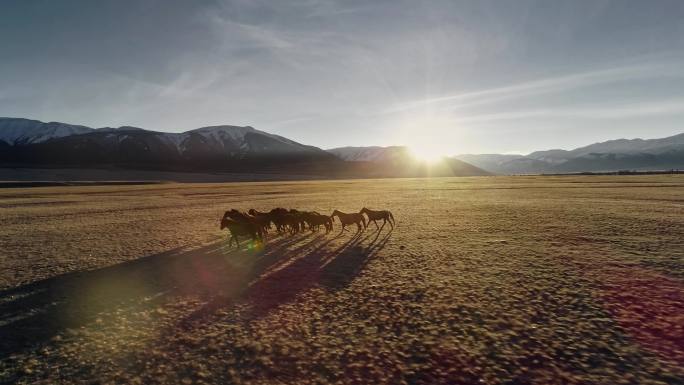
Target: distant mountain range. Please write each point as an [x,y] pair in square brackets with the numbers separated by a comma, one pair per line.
[371,153]
[31,143]
[613,155]
[402,162]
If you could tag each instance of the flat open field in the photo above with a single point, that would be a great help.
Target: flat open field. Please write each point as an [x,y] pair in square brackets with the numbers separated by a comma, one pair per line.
[492,280]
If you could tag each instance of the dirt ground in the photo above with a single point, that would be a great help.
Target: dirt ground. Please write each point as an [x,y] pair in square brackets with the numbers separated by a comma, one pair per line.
[490,280]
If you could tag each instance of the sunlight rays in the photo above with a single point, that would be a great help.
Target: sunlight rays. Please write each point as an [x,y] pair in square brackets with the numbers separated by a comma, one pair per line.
[425,152]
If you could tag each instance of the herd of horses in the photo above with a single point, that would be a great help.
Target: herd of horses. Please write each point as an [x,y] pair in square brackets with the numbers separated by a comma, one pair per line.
[256,225]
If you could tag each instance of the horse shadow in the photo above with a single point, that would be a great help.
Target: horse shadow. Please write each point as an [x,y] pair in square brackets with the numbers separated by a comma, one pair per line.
[32,314]
[312,264]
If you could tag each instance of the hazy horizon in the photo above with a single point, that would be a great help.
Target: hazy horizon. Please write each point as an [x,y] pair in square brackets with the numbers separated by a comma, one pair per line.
[453,77]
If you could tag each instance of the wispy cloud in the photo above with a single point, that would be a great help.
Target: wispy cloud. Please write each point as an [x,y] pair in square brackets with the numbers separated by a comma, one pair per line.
[327,8]
[623,111]
[243,35]
[550,85]
[289,121]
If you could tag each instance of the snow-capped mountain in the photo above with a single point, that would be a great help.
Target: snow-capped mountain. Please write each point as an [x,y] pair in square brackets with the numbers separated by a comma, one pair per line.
[229,139]
[369,154]
[618,146]
[489,161]
[612,155]
[217,148]
[30,141]
[16,131]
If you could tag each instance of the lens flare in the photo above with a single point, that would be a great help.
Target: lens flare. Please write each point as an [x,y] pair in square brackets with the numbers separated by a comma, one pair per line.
[255,245]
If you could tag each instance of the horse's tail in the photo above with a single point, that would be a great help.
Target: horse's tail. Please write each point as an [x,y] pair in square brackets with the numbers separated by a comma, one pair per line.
[391,217]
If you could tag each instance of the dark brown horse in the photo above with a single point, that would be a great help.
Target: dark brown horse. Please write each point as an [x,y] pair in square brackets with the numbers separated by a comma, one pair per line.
[285,220]
[376,215]
[238,228]
[291,222]
[262,219]
[315,220]
[256,212]
[262,223]
[350,219]
[279,217]
[300,218]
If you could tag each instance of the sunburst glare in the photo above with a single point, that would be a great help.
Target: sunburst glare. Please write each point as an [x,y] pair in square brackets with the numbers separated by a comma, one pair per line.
[426,152]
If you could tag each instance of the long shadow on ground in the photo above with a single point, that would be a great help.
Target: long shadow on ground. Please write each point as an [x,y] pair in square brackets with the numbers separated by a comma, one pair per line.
[32,314]
[312,264]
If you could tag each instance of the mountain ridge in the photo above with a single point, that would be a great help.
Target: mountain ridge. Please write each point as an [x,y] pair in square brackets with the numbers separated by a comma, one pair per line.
[246,149]
[611,155]
[222,148]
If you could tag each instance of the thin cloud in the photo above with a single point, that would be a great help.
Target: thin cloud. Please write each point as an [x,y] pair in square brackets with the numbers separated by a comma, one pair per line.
[287,122]
[537,87]
[333,8]
[625,111]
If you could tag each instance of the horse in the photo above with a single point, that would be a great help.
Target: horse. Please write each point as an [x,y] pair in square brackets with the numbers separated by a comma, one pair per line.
[279,218]
[348,219]
[261,222]
[256,213]
[284,220]
[376,215]
[263,219]
[315,220]
[292,222]
[300,217]
[238,228]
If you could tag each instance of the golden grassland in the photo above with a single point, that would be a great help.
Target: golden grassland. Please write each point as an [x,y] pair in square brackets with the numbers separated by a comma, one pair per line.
[491,280]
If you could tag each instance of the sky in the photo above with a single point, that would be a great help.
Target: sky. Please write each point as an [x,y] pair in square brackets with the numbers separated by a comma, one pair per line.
[506,76]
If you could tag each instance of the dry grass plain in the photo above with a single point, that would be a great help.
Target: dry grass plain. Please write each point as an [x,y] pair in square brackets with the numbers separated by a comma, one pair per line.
[492,280]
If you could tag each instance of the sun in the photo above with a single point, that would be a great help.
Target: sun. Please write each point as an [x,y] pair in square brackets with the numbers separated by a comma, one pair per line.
[425,152]
[427,135]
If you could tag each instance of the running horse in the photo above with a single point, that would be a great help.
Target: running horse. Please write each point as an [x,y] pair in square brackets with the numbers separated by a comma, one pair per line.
[240,228]
[376,215]
[350,219]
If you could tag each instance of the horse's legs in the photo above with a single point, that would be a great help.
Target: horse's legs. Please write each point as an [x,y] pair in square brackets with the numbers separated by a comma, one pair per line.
[376,224]
[230,240]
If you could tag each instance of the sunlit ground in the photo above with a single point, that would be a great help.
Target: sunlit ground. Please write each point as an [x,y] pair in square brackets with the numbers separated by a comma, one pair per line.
[494,280]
